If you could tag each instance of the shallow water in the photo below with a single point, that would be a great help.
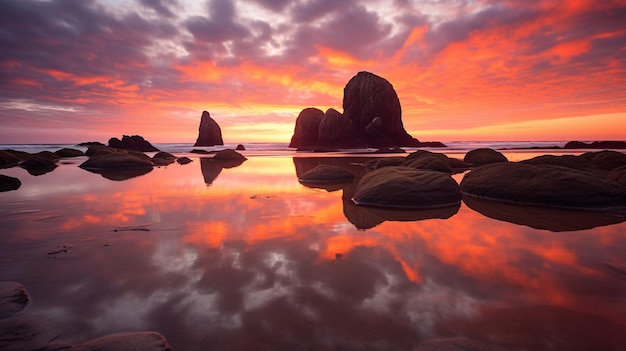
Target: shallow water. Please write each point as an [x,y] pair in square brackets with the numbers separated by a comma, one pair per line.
[247,258]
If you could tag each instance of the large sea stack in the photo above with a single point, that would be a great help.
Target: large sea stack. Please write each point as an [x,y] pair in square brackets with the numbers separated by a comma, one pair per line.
[209,133]
[372,105]
[372,117]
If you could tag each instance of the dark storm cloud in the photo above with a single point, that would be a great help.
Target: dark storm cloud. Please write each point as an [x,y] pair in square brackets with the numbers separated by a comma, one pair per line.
[57,50]
[164,8]
[274,5]
[460,28]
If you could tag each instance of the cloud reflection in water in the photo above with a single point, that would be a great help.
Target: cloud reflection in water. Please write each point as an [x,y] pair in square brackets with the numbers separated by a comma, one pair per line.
[259,261]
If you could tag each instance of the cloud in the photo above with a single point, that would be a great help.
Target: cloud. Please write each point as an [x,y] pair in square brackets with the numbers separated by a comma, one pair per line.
[162,7]
[486,56]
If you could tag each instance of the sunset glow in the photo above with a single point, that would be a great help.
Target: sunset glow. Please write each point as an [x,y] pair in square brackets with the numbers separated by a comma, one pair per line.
[76,71]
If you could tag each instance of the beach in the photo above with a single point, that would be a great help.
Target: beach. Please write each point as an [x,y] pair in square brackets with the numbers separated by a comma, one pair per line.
[247,257]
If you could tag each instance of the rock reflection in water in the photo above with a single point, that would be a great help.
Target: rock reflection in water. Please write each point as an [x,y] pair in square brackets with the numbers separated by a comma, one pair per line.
[121,174]
[223,269]
[211,168]
[554,220]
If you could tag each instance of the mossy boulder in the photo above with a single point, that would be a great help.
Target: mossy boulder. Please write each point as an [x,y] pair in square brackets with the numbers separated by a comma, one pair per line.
[484,156]
[404,187]
[618,175]
[606,159]
[544,185]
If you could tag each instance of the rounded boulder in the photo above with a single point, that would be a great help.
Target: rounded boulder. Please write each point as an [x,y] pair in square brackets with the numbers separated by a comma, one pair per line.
[404,187]
[544,185]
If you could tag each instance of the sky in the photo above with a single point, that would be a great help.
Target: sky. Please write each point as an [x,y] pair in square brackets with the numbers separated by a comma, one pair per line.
[88,70]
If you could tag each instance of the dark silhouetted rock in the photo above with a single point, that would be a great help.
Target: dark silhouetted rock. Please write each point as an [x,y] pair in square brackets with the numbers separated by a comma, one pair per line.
[428,161]
[228,158]
[324,175]
[200,151]
[306,131]
[228,154]
[404,187]
[9,159]
[555,220]
[606,159]
[7,184]
[372,118]
[335,130]
[386,162]
[90,143]
[608,144]
[544,185]
[569,161]
[48,155]
[484,156]
[65,152]
[163,158]
[39,165]
[240,148]
[98,149]
[134,142]
[422,159]
[367,97]
[117,160]
[183,160]
[618,175]
[209,132]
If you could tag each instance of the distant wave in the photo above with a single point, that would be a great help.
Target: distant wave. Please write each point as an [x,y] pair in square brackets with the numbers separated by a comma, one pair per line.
[182,148]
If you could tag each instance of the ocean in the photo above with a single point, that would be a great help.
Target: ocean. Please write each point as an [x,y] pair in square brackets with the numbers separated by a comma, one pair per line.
[238,257]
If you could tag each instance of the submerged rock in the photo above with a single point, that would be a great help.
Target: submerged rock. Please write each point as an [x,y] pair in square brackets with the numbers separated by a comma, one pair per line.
[484,156]
[544,185]
[404,187]
[9,183]
[209,132]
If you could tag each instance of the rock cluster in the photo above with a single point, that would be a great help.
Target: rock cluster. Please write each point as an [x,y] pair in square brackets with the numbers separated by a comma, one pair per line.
[135,142]
[562,182]
[372,118]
